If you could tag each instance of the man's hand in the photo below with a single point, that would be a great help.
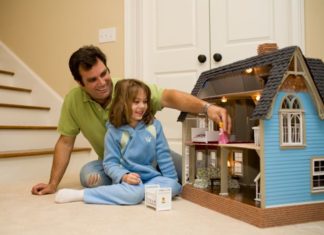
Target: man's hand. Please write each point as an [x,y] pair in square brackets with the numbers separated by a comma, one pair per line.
[219,114]
[188,103]
[42,189]
[62,154]
[131,178]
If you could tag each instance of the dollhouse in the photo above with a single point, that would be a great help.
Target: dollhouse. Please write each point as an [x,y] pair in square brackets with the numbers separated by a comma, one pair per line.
[276,148]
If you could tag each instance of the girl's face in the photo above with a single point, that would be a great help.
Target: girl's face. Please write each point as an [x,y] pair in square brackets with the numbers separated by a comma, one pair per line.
[139,107]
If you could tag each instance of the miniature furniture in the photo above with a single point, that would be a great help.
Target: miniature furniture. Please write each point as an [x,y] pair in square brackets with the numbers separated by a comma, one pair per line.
[158,198]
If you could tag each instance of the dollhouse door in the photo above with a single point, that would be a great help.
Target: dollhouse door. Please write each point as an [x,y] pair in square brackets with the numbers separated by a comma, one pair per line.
[173,41]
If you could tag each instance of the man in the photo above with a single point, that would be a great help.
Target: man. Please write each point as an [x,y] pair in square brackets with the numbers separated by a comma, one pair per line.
[86,109]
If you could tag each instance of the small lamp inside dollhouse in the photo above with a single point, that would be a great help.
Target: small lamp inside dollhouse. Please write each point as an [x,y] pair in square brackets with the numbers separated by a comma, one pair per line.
[229,166]
[249,70]
[224,99]
[256,97]
[228,163]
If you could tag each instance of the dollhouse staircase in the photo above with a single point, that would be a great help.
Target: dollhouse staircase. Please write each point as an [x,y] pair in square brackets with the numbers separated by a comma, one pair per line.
[257,188]
[29,112]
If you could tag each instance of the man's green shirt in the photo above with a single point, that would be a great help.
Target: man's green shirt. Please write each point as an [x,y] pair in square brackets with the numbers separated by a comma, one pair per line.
[81,113]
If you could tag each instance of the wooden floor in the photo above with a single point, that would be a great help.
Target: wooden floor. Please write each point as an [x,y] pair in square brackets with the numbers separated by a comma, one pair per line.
[244,194]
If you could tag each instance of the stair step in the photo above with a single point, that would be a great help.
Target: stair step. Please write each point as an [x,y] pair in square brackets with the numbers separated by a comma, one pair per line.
[19,127]
[21,139]
[24,106]
[36,152]
[12,88]
[27,169]
[7,72]
[22,136]
[26,117]
[11,95]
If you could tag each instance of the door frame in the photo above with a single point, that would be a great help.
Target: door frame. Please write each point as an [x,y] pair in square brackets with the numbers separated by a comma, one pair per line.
[133,47]
[133,59]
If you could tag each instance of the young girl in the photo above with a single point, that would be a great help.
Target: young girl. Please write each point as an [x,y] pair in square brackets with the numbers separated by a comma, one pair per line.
[134,143]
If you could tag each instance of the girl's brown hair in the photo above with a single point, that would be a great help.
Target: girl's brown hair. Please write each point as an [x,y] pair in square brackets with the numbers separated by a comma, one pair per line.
[126,91]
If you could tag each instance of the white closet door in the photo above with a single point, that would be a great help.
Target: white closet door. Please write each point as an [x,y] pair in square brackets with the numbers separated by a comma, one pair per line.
[172,33]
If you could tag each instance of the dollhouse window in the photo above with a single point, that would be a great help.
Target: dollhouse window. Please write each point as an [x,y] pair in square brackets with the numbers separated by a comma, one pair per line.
[291,117]
[238,163]
[317,175]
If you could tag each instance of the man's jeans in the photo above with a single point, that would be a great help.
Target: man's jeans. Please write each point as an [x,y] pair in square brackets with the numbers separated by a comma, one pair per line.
[96,168]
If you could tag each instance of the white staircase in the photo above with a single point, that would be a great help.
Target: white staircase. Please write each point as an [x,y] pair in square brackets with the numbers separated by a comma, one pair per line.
[257,188]
[29,113]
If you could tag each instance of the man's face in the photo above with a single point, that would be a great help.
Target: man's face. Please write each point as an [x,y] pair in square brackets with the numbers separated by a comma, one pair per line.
[97,82]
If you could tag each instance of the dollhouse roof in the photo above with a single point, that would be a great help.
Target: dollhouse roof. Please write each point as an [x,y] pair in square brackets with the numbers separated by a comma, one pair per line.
[279,62]
[316,68]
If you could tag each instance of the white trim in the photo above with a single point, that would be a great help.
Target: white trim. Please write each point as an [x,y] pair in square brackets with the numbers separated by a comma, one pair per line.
[238,162]
[316,189]
[298,23]
[133,63]
[288,113]
[298,113]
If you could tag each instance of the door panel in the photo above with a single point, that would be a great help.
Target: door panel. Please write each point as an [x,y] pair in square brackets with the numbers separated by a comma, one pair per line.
[170,23]
[246,25]
[175,33]
[238,27]
[173,39]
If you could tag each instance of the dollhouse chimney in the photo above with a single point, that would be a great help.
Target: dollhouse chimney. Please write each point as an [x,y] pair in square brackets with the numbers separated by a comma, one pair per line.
[266,48]
[263,71]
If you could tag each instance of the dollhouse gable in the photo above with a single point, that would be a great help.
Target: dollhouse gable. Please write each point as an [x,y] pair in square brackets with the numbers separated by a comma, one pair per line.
[300,76]
[293,152]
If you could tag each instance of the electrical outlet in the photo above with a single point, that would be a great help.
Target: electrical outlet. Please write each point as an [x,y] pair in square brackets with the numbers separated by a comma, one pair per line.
[107,35]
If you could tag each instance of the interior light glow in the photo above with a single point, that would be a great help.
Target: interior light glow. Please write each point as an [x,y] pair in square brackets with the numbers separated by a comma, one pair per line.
[224,99]
[249,70]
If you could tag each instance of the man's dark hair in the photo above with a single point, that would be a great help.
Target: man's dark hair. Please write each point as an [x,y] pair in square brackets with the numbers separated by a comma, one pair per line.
[85,57]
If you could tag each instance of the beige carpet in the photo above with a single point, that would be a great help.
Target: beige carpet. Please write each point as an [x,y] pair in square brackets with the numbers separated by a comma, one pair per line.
[23,213]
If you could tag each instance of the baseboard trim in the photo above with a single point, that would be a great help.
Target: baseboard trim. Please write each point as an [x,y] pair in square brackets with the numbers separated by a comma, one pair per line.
[36,152]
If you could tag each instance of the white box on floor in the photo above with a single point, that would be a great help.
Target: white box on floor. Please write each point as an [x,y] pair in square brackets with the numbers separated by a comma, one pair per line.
[158,198]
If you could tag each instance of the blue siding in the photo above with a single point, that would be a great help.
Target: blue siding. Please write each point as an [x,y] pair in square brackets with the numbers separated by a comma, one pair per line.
[288,172]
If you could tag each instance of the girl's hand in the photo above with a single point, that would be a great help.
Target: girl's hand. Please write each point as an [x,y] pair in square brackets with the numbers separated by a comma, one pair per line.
[131,178]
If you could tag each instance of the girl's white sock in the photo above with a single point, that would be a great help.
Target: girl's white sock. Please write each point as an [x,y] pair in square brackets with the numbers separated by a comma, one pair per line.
[69,195]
